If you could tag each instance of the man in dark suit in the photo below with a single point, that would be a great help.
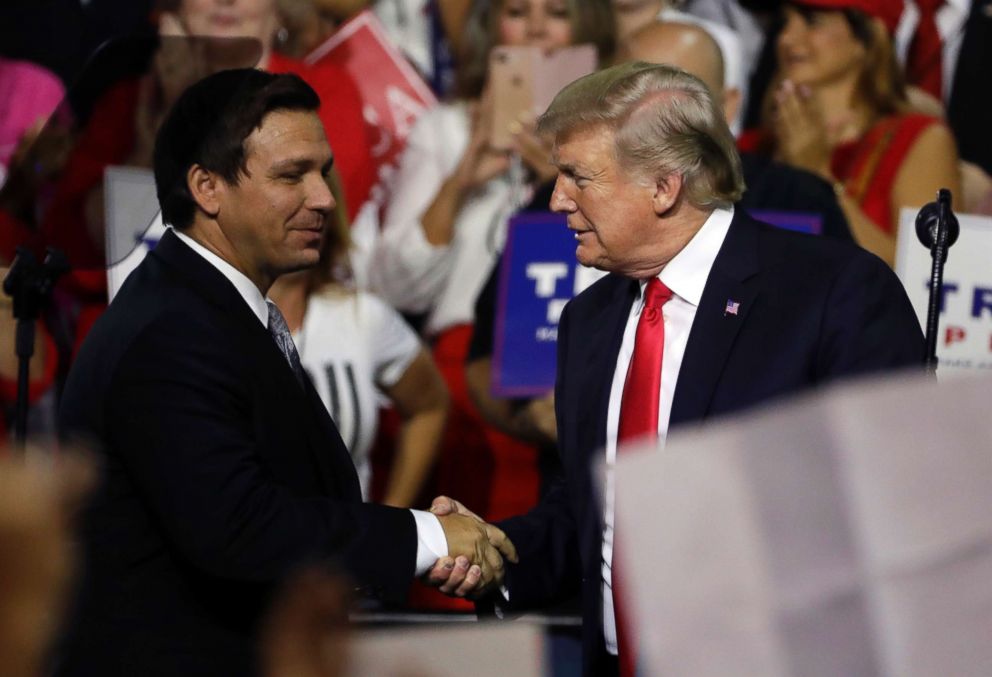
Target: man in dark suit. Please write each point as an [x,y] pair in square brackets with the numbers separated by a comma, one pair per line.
[970,98]
[222,469]
[705,312]
[947,48]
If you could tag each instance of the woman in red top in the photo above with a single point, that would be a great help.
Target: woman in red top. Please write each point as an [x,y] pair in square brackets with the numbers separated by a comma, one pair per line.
[840,111]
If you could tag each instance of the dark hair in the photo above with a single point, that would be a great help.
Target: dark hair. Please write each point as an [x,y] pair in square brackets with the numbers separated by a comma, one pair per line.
[881,85]
[592,22]
[208,126]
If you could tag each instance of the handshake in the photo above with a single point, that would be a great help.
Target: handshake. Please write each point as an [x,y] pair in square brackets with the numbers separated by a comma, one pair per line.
[476,551]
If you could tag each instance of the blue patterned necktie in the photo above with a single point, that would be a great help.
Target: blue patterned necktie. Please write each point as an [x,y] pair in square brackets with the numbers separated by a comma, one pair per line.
[280,332]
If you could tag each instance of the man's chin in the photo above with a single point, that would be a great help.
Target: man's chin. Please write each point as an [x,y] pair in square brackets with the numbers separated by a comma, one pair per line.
[307,259]
[587,259]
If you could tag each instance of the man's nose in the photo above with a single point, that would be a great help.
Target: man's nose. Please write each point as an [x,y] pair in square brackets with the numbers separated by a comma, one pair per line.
[319,195]
[560,202]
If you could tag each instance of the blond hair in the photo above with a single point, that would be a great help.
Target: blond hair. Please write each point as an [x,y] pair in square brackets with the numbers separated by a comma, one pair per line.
[666,122]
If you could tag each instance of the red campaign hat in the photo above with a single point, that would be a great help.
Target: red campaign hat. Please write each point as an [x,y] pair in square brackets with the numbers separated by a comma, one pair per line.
[888,11]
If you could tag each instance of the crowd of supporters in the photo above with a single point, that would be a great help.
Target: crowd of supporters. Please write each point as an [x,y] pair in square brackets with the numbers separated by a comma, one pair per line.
[853,109]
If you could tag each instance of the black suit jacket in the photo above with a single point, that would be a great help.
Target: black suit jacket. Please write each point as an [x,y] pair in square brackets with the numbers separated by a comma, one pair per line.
[971,97]
[811,310]
[221,474]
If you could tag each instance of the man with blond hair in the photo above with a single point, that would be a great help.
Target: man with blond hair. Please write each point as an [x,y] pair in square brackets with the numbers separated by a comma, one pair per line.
[705,312]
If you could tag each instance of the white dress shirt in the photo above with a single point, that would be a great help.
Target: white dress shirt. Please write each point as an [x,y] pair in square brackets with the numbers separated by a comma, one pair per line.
[431,542]
[950,19]
[686,276]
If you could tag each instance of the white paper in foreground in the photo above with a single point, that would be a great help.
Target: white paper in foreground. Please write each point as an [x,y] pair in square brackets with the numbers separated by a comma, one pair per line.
[846,533]
[462,650]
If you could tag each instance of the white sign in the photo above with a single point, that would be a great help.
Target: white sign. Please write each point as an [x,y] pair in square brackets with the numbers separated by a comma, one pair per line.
[964,340]
[133,221]
[848,532]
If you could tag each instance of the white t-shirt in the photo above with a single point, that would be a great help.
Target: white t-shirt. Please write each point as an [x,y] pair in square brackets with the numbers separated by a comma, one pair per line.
[352,344]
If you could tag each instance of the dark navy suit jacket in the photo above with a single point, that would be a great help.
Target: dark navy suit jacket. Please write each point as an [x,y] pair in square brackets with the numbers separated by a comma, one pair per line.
[812,310]
[220,475]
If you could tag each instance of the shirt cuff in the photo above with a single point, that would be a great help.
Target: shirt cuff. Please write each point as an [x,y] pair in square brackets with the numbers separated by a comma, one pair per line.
[431,542]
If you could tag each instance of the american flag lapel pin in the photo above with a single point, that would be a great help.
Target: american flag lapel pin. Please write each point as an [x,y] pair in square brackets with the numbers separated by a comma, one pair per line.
[732,307]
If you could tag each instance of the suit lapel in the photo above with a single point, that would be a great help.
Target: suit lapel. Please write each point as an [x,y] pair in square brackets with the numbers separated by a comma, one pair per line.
[326,451]
[605,335]
[715,328]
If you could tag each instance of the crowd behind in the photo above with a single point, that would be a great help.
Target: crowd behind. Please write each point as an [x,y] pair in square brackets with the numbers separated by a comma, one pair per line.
[853,109]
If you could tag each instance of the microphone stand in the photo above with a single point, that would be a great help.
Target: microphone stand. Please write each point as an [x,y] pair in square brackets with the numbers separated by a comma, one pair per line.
[937,229]
[30,284]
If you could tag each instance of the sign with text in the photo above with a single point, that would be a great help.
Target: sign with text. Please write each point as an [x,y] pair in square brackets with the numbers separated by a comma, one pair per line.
[393,94]
[539,275]
[964,340]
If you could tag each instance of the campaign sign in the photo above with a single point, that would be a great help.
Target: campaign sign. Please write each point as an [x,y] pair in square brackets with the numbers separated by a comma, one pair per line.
[393,94]
[801,222]
[964,338]
[539,275]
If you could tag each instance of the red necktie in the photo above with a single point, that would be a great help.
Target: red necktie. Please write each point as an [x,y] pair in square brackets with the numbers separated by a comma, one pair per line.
[639,420]
[924,65]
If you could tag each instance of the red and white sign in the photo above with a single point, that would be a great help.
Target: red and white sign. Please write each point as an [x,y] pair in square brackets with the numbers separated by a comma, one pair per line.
[393,93]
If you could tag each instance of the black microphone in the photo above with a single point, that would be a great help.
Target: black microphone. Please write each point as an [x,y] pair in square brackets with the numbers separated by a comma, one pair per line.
[929,219]
[937,229]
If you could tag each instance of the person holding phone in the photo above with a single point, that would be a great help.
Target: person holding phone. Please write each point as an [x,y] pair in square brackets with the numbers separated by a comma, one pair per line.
[446,219]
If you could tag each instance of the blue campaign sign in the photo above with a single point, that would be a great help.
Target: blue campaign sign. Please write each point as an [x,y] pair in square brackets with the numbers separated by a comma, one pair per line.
[539,274]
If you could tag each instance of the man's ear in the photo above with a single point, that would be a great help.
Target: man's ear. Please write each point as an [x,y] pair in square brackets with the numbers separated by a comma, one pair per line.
[204,186]
[666,194]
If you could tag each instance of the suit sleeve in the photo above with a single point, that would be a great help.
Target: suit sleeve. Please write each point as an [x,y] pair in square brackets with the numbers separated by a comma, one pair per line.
[182,424]
[546,537]
[869,323]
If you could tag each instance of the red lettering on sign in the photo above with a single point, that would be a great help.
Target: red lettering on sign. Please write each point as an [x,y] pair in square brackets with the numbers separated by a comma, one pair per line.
[953,335]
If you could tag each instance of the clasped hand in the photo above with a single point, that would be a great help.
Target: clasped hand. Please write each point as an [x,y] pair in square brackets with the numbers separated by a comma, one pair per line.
[476,551]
